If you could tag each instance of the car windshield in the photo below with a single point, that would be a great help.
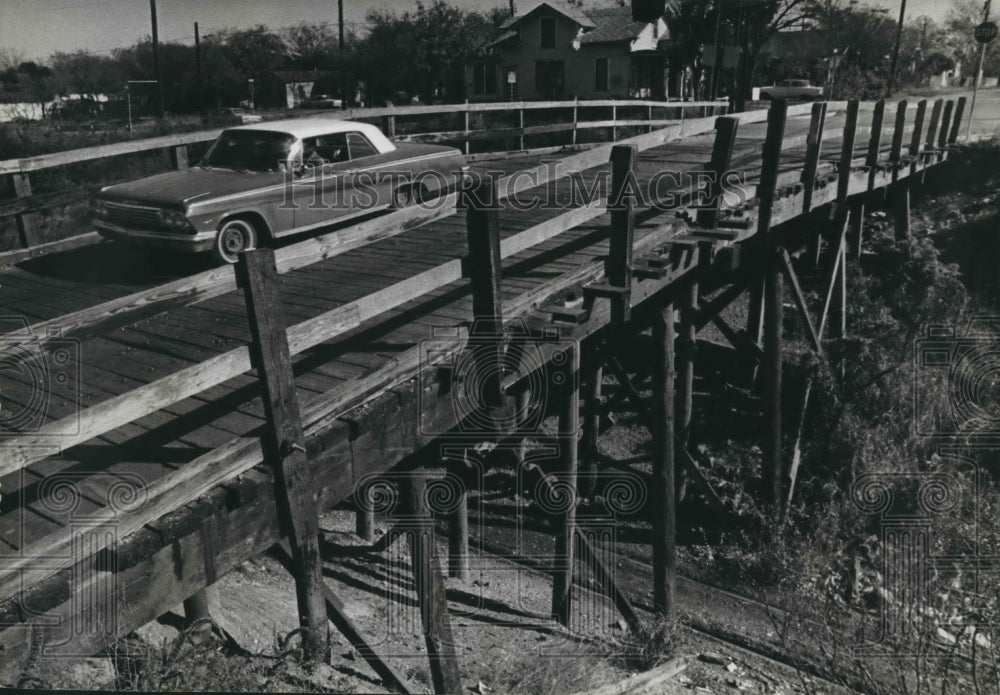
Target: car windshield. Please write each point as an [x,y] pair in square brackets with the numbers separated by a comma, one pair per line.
[249,150]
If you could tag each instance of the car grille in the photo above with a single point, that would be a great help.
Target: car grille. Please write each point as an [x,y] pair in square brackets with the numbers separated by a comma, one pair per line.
[129,215]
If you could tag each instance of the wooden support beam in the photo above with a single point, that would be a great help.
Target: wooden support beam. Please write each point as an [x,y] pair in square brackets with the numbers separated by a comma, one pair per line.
[899,128]
[484,269]
[840,229]
[755,326]
[685,363]
[364,518]
[179,157]
[737,340]
[900,196]
[918,132]
[942,141]
[466,124]
[664,493]
[857,227]
[932,129]
[771,383]
[718,303]
[722,154]
[800,300]
[458,522]
[814,150]
[875,142]
[569,425]
[770,163]
[337,613]
[621,204]
[284,442]
[27,226]
[430,589]
[593,378]
[847,152]
[957,121]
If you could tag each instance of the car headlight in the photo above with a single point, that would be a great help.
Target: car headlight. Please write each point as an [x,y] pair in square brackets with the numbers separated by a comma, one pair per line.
[174,219]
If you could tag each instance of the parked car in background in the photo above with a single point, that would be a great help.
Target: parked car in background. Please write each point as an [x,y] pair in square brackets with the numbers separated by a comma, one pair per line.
[792,89]
[262,182]
[321,101]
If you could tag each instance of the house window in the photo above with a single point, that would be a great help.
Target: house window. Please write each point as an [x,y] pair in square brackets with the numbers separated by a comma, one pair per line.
[548,32]
[484,78]
[601,74]
[549,76]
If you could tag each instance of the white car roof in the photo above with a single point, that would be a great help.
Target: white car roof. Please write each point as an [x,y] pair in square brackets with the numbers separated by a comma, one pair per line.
[311,127]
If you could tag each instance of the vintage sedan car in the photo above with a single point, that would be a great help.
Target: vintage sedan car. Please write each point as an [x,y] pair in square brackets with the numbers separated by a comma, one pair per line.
[269,180]
[792,89]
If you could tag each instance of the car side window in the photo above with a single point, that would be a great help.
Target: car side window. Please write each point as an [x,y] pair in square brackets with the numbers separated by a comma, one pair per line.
[324,149]
[360,146]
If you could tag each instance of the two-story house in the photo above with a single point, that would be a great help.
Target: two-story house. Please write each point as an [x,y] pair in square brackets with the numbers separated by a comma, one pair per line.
[553,50]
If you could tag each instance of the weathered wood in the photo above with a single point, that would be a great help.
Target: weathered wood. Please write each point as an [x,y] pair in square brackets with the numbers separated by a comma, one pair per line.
[770,163]
[847,153]
[685,363]
[664,495]
[957,122]
[430,590]
[814,150]
[622,207]
[771,383]
[284,443]
[900,197]
[899,130]
[364,518]
[27,225]
[840,230]
[592,386]
[179,157]
[856,225]
[800,299]
[932,128]
[918,130]
[458,523]
[337,613]
[875,143]
[569,426]
[719,165]
[942,141]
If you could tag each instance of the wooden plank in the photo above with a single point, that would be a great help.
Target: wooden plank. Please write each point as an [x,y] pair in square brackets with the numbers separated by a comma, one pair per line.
[945,127]
[918,130]
[800,300]
[726,130]
[875,142]
[621,205]
[957,122]
[664,465]
[814,150]
[770,161]
[847,152]
[932,129]
[430,590]
[771,368]
[563,554]
[27,222]
[284,444]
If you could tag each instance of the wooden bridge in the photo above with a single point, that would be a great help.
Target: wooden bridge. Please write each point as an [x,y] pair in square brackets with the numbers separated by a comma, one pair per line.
[157,439]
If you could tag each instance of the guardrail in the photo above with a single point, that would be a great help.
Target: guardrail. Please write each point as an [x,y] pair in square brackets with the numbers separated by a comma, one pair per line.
[16,173]
[777,200]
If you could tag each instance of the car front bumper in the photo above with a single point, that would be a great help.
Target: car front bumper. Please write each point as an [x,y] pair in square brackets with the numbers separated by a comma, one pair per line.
[192,243]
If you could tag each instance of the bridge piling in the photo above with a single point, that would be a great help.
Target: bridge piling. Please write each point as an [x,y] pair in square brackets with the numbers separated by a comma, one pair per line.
[771,368]
[664,465]
[458,522]
[592,377]
[569,425]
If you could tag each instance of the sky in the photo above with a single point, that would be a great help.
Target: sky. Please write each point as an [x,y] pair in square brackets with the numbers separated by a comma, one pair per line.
[34,29]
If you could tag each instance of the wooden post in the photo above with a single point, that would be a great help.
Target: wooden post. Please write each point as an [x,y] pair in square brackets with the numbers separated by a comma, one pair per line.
[649,117]
[901,210]
[484,272]
[957,122]
[592,378]
[622,207]
[771,378]
[771,160]
[364,519]
[576,117]
[755,326]
[838,319]
[196,607]
[520,124]
[685,363]
[458,525]
[945,127]
[847,153]
[284,442]
[932,129]
[896,153]
[664,469]
[918,129]
[875,143]
[614,121]
[814,149]
[722,154]
[857,227]
[430,590]
[468,143]
[27,232]
[179,157]
[389,125]
[569,425]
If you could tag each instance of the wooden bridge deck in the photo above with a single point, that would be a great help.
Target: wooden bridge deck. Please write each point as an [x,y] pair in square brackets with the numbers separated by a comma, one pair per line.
[164,560]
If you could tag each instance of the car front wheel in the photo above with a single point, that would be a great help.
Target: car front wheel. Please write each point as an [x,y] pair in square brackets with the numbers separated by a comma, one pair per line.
[234,237]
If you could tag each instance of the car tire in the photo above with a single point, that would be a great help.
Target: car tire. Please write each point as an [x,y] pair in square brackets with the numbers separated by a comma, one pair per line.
[234,237]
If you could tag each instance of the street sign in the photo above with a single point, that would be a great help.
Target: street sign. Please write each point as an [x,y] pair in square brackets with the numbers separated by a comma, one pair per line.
[986,32]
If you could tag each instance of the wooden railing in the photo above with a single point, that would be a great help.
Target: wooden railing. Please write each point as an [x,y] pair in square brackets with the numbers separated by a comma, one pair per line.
[627,277]
[15,174]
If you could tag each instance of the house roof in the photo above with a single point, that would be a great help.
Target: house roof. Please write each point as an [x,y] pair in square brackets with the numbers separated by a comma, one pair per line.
[560,6]
[612,24]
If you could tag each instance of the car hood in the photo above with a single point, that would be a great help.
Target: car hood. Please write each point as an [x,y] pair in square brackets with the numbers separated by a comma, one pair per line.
[190,185]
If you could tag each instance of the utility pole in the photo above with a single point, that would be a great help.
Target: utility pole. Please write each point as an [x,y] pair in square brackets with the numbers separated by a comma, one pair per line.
[979,72]
[197,70]
[513,10]
[156,59]
[890,87]
[715,64]
[340,45]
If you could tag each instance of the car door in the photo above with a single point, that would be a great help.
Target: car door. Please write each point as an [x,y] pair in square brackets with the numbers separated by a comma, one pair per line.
[319,187]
